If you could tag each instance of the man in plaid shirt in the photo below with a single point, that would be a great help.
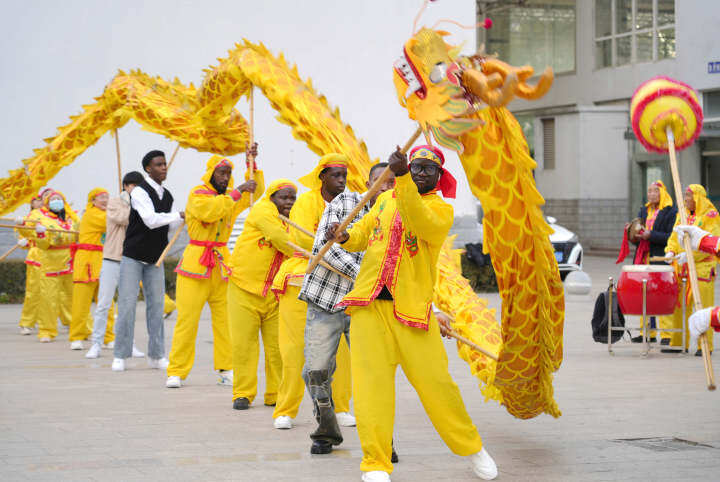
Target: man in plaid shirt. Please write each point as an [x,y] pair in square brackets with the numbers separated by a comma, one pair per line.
[322,290]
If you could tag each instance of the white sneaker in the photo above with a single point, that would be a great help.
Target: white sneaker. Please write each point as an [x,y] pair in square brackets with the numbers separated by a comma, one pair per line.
[483,465]
[173,382]
[225,378]
[345,419]
[137,353]
[109,345]
[76,345]
[94,351]
[24,330]
[118,365]
[283,422]
[376,476]
[158,363]
[45,339]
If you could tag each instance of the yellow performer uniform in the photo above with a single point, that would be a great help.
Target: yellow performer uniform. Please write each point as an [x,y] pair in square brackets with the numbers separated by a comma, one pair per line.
[392,322]
[306,212]
[202,272]
[28,317]
[258,254]
[87,261]
[55,268]
[706,217]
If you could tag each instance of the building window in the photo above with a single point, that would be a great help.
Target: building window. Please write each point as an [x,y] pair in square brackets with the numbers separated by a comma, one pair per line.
[711,104]
[633,31]
[548,127]
[538,33]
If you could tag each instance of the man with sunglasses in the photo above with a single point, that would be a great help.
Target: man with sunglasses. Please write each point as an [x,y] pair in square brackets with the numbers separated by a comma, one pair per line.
[392,320]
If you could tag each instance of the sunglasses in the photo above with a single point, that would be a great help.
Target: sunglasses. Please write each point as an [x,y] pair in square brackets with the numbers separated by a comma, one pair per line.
[427,169]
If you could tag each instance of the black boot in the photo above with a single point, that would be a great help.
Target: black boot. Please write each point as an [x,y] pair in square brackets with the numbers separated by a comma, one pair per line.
[328,429]
[320,447]
[394,457]
[241,403]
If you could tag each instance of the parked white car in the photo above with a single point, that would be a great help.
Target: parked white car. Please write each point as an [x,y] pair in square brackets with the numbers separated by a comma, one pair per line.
[568,250]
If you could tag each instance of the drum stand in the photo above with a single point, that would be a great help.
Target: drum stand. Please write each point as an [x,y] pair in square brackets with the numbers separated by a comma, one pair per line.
[644,328]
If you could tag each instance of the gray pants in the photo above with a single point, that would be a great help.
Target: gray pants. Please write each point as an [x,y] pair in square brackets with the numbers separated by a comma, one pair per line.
[132,272]
[322,337]
[109,275]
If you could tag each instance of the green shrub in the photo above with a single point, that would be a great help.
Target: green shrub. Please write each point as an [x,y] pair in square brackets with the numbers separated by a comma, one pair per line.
[482,278]
[12,280]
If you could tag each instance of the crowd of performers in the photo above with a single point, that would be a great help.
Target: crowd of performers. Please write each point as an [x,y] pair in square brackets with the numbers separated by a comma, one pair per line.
[373,288]
[660,241]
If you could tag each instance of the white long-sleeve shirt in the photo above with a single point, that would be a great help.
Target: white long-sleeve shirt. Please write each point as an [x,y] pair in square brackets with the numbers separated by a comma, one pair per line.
[141,202]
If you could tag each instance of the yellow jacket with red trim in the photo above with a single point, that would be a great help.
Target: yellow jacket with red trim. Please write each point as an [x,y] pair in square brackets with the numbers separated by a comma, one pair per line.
[210,218]
[89,254]
[54,247]
[402,236]
[260,249]
[306,212]
[704,263]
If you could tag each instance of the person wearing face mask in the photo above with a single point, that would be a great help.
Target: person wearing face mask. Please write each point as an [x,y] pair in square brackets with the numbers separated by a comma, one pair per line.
[392,322]
[87,261]
[326,181]
[253,309]
[28,317]
[117,213]
[202,271]
[701,213]
[325,326]
[55,261]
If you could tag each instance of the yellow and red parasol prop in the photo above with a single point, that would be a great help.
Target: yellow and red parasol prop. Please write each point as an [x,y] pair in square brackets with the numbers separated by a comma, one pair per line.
[666,116]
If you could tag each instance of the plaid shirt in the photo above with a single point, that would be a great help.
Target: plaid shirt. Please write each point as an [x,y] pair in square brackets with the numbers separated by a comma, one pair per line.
[322,286]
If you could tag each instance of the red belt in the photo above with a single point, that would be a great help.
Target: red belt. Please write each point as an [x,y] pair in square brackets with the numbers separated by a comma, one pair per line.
[87,247]
[207,258]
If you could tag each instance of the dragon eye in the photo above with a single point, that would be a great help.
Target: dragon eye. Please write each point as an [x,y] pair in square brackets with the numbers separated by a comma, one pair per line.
[438,73]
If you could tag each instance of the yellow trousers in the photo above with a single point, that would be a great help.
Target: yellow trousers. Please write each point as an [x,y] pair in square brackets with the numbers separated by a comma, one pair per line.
[192,294]
[379,344]
[291,337]
[707,297]
[33,296]
[81,324]
[55,303]
[250,314]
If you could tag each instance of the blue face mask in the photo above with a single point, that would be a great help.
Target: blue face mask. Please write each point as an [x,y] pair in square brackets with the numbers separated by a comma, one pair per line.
[56,205]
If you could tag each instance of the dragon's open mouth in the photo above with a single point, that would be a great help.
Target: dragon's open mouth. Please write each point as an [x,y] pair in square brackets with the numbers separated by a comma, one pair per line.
[407,71]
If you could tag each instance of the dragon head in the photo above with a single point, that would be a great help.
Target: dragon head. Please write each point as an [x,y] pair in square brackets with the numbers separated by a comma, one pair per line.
[442,90]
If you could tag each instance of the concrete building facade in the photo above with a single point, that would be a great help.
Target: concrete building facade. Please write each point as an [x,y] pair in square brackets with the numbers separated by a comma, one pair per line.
[591,170]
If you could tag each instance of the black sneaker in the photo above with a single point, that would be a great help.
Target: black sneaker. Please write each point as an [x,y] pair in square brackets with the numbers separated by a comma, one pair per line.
[270,404]
[640,339]
[394,458]
[321,447]
[699,353]
[665,341]
[241,403]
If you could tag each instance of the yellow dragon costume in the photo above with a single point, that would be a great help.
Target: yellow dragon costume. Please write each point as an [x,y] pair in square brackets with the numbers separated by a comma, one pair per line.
[441,91]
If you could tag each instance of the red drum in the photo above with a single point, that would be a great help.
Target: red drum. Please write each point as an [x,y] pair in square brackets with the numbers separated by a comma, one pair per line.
[662,289]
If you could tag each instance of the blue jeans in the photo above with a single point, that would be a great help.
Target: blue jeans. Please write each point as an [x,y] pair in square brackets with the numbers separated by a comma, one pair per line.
[132,272]
[109,275]
[322,337]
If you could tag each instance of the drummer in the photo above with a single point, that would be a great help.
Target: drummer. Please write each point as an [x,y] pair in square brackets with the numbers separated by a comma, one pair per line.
[658,216]
[700,213]
[704,242]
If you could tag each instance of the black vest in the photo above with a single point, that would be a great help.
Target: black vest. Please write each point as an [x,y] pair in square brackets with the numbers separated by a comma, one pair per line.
[142,243]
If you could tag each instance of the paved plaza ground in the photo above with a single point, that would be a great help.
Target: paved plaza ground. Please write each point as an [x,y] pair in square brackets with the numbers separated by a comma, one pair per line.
[63,417]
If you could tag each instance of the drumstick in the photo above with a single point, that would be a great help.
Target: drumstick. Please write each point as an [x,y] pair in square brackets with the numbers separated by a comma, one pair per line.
[694,285]
[167,248]
[323,263]
[365,199]
[52,230]
[9,252]
[296,226]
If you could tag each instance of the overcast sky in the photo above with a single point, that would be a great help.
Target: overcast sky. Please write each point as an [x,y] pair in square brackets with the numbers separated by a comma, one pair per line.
[57,56]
